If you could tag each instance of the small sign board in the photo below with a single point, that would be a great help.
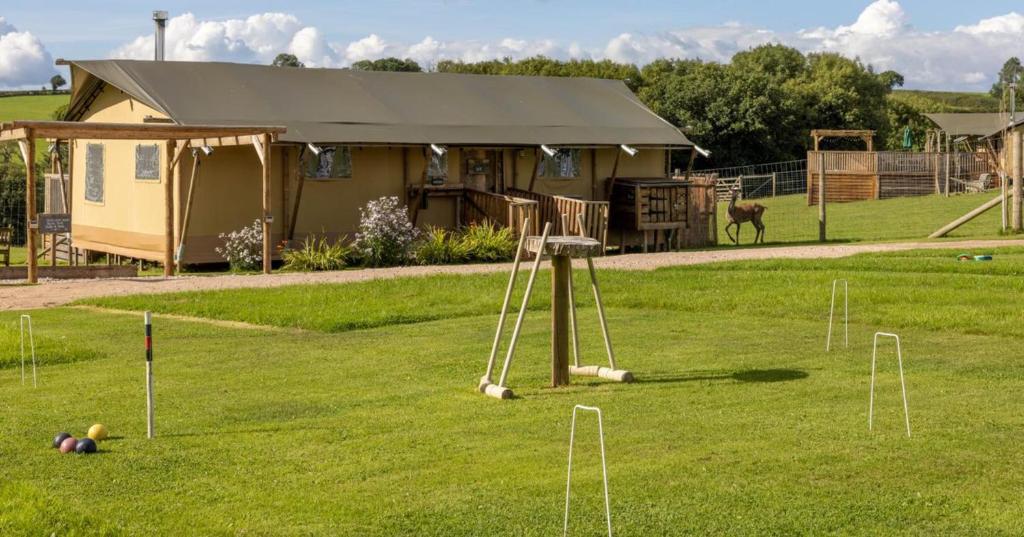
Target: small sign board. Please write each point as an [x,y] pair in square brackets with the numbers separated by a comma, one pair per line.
[50,223]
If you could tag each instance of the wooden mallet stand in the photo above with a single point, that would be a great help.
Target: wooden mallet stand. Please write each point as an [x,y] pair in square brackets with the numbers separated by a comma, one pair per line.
[562,250]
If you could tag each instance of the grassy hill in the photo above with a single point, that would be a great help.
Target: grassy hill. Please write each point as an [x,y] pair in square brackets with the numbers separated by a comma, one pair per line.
[947,101]
[29,106]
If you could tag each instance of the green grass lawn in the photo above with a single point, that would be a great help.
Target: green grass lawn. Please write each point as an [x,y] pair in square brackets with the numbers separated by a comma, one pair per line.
[790,219]
[30,106]
[361,416]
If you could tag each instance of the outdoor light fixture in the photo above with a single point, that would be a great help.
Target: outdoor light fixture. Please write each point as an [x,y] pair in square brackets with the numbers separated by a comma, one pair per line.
[316,150]
[549,151]
[207,150]
[631,151]
[440,150]
[703,152]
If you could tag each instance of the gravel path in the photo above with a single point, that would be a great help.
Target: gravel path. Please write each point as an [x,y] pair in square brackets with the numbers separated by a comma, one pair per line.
[60,292]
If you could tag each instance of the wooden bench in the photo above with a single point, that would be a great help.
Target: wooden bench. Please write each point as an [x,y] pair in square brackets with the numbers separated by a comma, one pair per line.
[6,236]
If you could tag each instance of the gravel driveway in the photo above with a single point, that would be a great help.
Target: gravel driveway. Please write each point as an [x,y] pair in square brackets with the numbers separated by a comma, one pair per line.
[60,292]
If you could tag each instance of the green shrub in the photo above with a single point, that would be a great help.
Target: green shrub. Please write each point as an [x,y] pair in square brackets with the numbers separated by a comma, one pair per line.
[487,243]
[439,247]
[317,254]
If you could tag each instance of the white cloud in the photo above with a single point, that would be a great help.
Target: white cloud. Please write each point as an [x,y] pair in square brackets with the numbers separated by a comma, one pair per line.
[257,38]
[966,57]
[24,61]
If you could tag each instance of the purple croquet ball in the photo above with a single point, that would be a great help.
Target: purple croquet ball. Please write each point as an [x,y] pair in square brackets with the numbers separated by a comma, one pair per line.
[59,439]
[85,445]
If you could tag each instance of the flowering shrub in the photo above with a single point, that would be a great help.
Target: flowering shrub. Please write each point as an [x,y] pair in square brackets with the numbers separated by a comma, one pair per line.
[385,235]
[243,249]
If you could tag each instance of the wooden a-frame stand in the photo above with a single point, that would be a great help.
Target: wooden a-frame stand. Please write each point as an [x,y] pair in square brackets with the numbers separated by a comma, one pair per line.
[561,249]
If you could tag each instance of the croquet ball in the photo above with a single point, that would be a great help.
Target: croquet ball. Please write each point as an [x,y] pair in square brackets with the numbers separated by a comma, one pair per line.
[57,440]
[98,432]
[85,445]
[68,445]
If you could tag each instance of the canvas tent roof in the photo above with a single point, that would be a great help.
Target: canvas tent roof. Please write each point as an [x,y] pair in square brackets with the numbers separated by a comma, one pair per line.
[350,106]
[971,124]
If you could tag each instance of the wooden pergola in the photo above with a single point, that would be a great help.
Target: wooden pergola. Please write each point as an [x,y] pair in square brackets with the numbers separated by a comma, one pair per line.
[178,138]
[866,135]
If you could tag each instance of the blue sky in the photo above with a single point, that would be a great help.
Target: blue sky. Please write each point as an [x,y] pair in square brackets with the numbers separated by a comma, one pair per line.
[936,43]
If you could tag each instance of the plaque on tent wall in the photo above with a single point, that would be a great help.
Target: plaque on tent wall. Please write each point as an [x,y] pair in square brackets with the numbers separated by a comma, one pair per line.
[147,162]
[94,173]
[50,223]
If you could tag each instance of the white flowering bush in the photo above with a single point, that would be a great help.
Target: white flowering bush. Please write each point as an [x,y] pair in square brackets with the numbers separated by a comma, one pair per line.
[243,249]
[386,235]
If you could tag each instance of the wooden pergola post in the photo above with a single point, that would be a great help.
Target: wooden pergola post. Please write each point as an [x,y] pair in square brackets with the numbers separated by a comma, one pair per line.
[170,146]
[28,153]
[268,217]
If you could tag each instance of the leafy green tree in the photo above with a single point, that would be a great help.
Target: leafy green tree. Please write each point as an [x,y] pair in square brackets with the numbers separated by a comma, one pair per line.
[542,66]
[1011,72]
[388,64]
[287,60]
[56,81]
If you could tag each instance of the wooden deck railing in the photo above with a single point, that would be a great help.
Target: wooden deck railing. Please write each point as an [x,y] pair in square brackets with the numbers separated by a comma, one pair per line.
[551,208]
[503,210]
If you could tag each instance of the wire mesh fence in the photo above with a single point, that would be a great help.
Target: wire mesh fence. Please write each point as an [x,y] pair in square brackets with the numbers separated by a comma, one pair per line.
[870,196]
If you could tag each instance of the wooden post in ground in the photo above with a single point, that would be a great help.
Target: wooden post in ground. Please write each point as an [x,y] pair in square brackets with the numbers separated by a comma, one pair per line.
[561,265]
[821,197]
[947,174]
[267,215]
[1017,171]
[169,209]
[28,153]
[774,179]
[1004,209]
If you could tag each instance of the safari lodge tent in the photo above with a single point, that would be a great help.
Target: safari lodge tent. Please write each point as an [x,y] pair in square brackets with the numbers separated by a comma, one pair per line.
[450,145]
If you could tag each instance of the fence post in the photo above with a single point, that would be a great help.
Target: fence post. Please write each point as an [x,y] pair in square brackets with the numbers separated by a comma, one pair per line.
[774,174]
[947,175]
[821,197]
[1003,209]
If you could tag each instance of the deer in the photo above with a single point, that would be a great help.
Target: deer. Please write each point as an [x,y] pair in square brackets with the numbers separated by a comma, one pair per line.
[744,213]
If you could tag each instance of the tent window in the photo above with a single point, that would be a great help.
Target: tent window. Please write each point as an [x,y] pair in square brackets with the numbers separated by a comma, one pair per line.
[438,168]
[564,165]
[94,173]
[147,162]
[333,162]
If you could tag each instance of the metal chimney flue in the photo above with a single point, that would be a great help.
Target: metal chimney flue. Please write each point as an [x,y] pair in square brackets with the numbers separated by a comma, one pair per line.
[160,18]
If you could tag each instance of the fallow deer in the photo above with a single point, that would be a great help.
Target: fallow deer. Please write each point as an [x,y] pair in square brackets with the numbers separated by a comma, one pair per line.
[744,213]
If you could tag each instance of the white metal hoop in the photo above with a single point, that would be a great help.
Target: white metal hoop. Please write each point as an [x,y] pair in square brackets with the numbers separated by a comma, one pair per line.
[604,469]
[27,319]
[903,384]
[846,314]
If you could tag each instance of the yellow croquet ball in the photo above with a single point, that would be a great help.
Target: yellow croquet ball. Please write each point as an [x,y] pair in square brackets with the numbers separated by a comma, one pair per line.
[98,432]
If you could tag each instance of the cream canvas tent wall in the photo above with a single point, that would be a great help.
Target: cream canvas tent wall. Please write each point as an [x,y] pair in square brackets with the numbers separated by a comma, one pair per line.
[384,124]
